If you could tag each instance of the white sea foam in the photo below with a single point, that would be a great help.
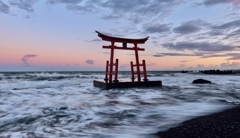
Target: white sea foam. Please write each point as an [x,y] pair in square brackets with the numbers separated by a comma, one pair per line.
[68,105]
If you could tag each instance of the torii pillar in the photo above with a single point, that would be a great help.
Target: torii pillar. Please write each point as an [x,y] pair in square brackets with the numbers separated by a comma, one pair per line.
[110,72]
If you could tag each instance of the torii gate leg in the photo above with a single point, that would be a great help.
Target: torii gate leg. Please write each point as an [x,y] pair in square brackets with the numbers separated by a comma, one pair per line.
[137,62]
[111,62]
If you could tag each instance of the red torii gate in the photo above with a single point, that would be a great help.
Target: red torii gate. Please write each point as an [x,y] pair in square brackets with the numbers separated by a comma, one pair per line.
[109,66]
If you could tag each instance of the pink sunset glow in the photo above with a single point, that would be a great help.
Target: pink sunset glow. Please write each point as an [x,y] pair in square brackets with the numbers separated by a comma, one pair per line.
[57,35]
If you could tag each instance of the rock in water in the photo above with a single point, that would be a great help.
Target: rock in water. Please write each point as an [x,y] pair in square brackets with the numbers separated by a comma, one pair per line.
[201,81]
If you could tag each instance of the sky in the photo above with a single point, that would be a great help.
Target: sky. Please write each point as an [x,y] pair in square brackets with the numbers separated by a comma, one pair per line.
[59,35]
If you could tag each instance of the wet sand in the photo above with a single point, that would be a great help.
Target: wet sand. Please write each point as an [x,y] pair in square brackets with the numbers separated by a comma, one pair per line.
[225,124]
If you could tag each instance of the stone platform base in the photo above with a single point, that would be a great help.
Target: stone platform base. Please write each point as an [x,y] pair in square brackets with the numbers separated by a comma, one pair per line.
[104,85]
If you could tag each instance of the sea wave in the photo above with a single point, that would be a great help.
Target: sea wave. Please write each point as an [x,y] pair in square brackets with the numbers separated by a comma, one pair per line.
[68,105]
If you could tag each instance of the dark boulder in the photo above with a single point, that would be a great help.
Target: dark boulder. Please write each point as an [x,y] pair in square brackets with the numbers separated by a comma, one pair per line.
[201,81]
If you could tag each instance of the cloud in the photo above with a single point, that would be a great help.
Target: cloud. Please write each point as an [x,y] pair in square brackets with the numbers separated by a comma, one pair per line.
[136,11]
[26,5]
[151,64]
[215,2]
[172,54]
[215,33]
[111,17]
[82,9]
[229,25]
[183,61]
[78,6]
[200,66]
[64,1]
[94,40]
[26,58]
[224,31]
[190,60]
[182,65]
[234,2]
[229,56]
[230,65]
[76,65]
[233,34]
[201,29]
[186,29]
[199,46]
[237,57]
[4,8]
[233,56]
[159,28]
[190,27]
[89,61]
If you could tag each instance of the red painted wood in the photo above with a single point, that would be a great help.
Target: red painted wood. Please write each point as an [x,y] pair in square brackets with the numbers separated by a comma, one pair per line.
[116,71]
[137,62]
[119,39]
[132,71]
[106,73]
[122,48]
[109,67]
[111,61]
[144,71]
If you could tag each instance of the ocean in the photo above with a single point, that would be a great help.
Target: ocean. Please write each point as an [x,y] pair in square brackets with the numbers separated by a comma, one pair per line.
[66,104]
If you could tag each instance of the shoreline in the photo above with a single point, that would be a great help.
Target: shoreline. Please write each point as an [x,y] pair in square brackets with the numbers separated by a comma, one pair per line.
[223,124]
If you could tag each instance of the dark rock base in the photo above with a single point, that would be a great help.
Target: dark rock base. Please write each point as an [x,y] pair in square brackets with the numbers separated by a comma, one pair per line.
[114,85]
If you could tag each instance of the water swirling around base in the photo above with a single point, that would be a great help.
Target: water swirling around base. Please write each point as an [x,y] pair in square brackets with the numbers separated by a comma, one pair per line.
[65,104]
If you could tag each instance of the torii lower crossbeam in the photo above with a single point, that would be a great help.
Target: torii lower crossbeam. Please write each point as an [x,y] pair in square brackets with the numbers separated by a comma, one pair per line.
[112,68]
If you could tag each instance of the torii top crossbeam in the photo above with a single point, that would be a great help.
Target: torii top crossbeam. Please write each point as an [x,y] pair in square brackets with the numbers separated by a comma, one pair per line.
[124,41]
[121,40]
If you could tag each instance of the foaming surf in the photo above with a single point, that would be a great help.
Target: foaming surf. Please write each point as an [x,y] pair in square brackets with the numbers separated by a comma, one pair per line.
[65,104]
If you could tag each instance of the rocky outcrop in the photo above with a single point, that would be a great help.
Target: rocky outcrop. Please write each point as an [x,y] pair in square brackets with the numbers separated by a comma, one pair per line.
[201,81]
[218,72]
